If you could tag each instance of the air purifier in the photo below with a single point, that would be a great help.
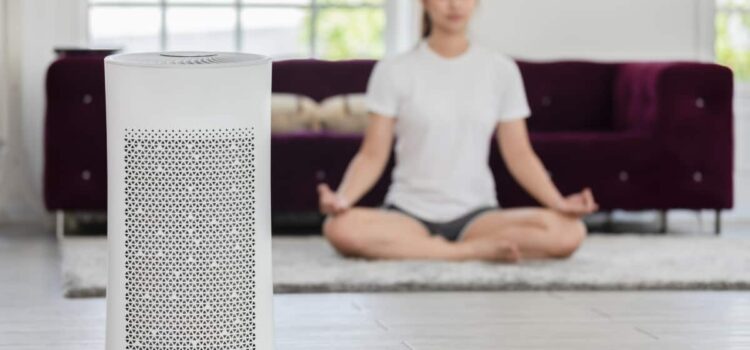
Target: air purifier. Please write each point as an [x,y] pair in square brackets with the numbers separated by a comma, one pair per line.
[188,148]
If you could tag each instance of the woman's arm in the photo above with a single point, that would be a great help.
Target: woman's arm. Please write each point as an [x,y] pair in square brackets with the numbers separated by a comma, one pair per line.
[528,170]
[525,165]
[367,165]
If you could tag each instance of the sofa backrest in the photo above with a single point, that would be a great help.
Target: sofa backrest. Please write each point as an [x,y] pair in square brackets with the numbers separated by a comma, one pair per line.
[563,95]
[319,79]
[569,95]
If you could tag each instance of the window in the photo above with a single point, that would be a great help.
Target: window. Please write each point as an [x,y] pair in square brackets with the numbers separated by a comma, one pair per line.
[733,37]
[328,29]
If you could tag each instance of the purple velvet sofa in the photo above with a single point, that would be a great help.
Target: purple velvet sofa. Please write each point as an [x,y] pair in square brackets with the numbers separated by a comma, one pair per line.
[643,135]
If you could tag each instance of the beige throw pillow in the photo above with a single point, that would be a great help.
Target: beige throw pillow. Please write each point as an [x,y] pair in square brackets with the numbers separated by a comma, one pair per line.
[343,113]
[293,112]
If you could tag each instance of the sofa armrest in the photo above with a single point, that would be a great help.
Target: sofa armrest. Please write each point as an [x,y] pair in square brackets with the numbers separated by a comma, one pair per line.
[75,142]
[672,96]
[687,107]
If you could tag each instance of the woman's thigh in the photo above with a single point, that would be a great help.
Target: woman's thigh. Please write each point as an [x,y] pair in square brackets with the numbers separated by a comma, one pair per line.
[538,232]
[363,228]
[389,234]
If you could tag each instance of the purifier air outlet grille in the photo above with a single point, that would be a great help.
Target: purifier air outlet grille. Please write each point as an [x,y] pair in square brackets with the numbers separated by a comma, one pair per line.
[190,239]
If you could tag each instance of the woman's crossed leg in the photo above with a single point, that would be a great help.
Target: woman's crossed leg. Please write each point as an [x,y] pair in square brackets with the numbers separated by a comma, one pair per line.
[499,235]
[386,234]
[538,232]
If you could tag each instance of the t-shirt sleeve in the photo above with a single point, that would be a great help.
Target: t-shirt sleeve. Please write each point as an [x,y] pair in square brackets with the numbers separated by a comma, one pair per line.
[381,96]
[514,104]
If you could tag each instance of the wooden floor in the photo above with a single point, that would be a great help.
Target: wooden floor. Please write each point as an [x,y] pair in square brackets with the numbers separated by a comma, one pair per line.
[33,315]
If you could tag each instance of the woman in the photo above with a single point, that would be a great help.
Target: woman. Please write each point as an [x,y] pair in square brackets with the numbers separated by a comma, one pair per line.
[442,101]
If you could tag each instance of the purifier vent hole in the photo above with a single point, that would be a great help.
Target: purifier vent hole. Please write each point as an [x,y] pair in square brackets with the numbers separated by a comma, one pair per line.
[190,239]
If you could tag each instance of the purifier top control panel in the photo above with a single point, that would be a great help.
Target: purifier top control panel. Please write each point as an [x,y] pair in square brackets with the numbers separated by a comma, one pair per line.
[184,59]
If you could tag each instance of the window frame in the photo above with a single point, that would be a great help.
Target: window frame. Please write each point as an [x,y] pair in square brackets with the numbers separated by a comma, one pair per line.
[394,23]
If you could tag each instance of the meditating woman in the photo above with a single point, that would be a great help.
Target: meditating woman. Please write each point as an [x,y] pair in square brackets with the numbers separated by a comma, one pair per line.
[442,101]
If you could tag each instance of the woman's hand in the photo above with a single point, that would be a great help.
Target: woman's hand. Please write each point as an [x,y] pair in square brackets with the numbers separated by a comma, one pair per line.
[330,202]
[578,204]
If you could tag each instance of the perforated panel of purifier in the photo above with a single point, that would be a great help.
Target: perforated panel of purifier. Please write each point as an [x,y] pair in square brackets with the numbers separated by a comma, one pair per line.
[190,239]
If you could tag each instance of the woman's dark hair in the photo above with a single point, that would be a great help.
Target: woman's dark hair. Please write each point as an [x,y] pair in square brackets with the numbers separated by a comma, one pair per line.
[426,24]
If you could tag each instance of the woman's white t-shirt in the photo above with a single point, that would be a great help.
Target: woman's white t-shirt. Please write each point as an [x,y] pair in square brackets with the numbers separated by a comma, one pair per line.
[446,111]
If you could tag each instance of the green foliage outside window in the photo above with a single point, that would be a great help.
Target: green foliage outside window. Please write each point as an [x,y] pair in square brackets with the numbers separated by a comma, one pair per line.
[733,36]
[348,32]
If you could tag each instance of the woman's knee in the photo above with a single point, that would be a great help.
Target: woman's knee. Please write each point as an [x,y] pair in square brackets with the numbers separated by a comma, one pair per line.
[570,232]
[340,230]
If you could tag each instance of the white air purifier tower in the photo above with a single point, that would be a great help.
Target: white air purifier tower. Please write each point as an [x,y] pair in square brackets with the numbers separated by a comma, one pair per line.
[188,147]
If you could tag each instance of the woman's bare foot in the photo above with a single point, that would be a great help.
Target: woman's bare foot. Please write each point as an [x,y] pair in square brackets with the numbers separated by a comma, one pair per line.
[495,250]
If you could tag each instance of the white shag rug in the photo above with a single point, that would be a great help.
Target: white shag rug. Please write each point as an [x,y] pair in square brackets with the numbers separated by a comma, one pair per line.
[604,262]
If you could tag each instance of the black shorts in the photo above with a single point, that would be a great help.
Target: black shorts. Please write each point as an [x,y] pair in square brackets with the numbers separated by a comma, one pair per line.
[452,230]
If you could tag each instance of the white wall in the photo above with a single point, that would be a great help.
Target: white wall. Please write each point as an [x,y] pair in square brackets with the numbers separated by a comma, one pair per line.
[4,75]
[597,29]
[402,29]
[17,200]
[34,28]
[45,24]
[742,152]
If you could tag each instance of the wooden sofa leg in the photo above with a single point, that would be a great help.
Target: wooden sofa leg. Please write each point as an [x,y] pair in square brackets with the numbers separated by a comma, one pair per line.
[717,222]
[663,221]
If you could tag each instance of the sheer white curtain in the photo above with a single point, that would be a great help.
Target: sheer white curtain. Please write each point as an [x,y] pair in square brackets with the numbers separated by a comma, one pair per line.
[18,202]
